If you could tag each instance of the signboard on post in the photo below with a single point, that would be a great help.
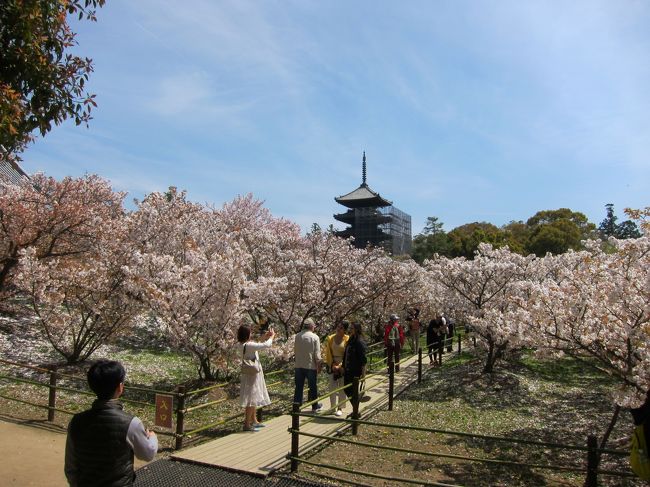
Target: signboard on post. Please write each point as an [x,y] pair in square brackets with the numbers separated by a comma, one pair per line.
[164,410]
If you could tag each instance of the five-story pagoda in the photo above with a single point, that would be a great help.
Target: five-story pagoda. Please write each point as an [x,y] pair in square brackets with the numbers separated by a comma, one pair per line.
[374,220]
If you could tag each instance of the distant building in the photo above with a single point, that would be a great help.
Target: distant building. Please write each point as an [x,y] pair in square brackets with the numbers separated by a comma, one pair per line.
[374,220]
[10,171]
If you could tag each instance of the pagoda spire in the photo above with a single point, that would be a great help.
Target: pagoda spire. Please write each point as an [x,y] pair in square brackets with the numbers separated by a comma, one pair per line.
[363,170]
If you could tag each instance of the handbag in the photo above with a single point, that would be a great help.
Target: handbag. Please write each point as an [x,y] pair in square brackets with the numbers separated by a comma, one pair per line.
[249,366]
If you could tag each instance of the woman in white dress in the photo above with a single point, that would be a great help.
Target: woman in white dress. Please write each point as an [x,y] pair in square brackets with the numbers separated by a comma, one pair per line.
[253,391]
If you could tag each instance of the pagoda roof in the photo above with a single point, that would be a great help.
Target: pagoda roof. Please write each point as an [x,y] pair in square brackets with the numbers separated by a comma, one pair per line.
[363,196]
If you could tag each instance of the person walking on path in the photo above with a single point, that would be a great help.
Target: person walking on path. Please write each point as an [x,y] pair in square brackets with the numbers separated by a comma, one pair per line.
[449,337]
[252,392]
[308,363]
[354,358]
[393,340]
[414,330]
[102,441]
[435,339]
[333,357]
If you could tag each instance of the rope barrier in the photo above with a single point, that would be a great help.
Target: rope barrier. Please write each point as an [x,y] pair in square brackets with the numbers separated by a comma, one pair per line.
[196,391]
[205,405]
[487,437]
[444,455]
[218,423]
[36,405]
[369,474]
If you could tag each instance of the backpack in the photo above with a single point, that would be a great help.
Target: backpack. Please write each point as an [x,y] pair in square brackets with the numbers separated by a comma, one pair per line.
[639,455]
[393,334]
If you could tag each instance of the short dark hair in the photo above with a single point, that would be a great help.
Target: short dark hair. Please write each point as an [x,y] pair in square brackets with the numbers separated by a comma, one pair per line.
[243,333]
[345,324]
[104,376]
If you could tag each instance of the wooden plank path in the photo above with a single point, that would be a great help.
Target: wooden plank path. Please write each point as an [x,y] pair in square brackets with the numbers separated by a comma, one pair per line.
[263,452]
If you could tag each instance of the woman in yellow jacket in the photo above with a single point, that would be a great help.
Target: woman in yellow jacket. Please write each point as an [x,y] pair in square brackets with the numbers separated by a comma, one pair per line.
[333,356]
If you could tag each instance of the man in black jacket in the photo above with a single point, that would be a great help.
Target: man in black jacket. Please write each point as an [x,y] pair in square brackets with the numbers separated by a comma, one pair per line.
[103,440]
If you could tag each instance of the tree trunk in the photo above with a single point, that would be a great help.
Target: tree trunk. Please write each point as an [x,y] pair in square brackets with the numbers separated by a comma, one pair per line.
[609,429]
[205,369]
[491,357]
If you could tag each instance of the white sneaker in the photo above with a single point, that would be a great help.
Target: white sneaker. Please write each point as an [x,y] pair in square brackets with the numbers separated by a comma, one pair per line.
[338,413]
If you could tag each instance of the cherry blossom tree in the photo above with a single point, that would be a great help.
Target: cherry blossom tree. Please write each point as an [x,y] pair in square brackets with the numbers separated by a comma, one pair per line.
[192,274]
[80,301]
[55,218]
[642,216]
[482,291]
[327,279]
[596,306]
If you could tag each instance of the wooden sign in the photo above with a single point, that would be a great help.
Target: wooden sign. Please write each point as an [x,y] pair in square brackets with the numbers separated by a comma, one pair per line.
[164,410]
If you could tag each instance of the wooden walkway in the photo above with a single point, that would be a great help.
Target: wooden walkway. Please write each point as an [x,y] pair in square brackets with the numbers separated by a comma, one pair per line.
[263,452]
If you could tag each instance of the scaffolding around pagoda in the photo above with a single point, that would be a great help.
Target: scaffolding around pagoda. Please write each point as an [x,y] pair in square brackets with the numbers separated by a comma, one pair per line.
[373,220]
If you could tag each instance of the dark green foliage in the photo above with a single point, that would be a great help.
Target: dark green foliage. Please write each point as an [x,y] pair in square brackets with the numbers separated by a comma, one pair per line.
[609,228]
[466,238]
[41,83]
[433,240]
[557,231]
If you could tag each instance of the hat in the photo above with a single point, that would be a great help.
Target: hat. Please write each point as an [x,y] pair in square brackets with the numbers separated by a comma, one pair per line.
[308,322]
[393,317]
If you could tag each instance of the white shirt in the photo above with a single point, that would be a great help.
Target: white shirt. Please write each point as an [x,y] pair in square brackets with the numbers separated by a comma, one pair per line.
[144,447]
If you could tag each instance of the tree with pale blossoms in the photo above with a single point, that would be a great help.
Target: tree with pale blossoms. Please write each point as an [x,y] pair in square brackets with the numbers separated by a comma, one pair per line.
[270,244]
[597,307]
[80,302]
[55,218]
[192,275]
[642,216]
[398,286]
[481,292]
[329,280]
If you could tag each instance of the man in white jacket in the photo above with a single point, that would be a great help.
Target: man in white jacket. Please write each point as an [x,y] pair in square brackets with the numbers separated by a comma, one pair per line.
[308,363]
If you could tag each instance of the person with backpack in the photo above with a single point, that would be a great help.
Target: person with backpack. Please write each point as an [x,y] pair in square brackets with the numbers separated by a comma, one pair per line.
[393,340]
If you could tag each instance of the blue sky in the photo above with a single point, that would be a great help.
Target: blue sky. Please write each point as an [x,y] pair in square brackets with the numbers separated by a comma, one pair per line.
[467,110]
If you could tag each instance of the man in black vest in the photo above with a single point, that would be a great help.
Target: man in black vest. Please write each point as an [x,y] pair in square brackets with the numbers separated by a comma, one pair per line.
[103,440]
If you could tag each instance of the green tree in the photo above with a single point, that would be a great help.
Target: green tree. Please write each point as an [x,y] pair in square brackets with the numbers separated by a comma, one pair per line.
[433,240]
[517,236]
[609,228]
[628,229]
[464,240]
[41,82]
[557,231]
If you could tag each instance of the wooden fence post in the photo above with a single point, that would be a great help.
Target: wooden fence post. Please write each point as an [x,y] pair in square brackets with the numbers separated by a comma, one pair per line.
[180,417]
[419,365]
[295,437]
[51,402]
[355,404]
[391,384]
[459,342]
[592,462]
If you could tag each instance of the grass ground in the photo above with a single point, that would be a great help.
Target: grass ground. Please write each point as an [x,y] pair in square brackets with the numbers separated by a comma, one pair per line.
[559,401]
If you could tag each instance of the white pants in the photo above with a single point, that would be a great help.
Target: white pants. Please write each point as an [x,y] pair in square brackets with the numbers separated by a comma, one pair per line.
[335,384]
